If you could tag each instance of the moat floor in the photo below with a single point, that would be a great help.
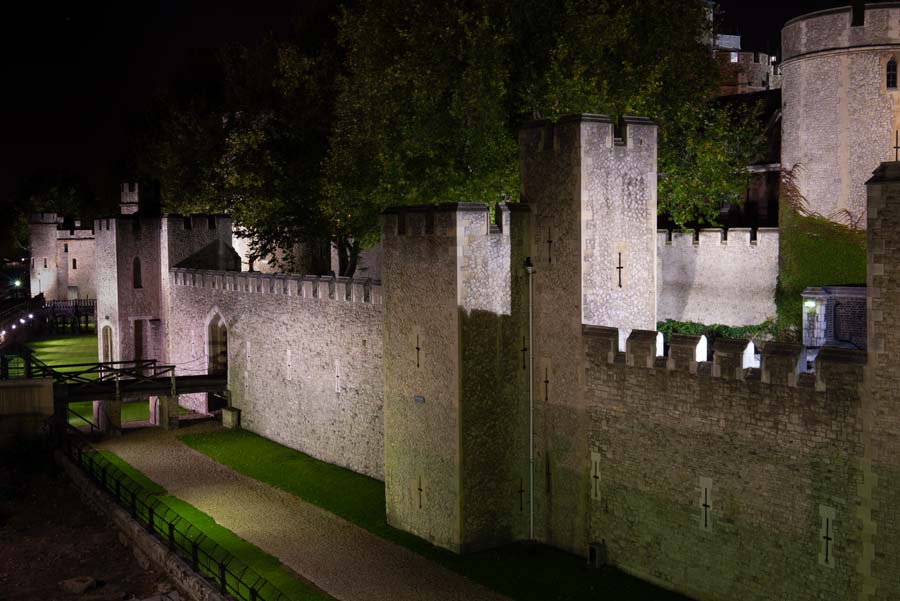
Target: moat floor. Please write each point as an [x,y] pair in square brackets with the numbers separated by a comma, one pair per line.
[341,558]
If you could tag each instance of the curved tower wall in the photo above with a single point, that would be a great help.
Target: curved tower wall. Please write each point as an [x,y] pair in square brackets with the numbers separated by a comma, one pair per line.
[839,118]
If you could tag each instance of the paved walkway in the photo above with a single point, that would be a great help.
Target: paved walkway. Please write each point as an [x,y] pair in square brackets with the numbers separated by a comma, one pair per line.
[341,558]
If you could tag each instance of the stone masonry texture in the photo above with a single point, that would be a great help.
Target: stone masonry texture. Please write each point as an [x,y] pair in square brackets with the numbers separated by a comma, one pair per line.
[839,117]
[717,278]
[709,478]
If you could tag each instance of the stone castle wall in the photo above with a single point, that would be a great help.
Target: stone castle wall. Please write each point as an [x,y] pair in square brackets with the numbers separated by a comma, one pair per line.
[304,357]
[717,280]
[454,384]
[880,485]
[770,451]
[75,257]
[839,118]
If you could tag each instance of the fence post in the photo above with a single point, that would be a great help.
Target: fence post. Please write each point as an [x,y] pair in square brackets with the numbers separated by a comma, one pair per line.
[222,577]
[195,560]
[171,536]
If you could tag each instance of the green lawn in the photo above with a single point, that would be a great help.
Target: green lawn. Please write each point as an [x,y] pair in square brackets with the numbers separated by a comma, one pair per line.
[66,350]
[522,572]
[267,566]
[69,350]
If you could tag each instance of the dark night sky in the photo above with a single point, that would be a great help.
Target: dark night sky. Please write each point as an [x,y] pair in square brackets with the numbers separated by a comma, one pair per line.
[74,73]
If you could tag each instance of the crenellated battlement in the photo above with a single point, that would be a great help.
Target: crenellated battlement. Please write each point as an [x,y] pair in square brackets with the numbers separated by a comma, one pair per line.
[442,220]
[715,275]
[781,364]
[545,135]
[304,286]
[738,236]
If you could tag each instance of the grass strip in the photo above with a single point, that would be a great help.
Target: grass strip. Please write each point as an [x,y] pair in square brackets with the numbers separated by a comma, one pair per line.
[522,572]
[267,566]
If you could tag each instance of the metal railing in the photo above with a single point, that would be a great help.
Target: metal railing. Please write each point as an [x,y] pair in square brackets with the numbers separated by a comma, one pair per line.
[224,571]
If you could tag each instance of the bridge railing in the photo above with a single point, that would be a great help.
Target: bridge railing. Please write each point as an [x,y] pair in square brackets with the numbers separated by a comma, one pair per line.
[224,571]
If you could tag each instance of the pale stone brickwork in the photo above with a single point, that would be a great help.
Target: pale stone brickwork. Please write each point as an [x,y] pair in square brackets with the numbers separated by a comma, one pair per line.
[304,357]
[716,479]
[717,279]
[839,118]
[593,203]
[54,247]
[454,381]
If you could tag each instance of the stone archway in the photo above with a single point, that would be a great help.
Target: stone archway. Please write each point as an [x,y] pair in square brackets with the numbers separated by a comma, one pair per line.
[217,346]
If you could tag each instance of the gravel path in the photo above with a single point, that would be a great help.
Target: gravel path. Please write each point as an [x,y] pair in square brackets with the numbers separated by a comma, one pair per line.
[341,558]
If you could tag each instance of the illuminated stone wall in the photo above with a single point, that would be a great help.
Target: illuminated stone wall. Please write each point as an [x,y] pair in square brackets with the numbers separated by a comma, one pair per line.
[593,203]
[304,357]
[717,280]
[839,118]
[455,422]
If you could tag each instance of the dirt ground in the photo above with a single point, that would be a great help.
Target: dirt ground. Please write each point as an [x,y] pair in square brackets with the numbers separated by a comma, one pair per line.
[48,535]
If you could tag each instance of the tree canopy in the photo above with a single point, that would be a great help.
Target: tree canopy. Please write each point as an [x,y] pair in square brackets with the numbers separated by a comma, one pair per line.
[420,101]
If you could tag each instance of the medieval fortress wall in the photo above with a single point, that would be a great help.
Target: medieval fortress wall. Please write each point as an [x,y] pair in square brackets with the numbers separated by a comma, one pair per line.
[719,276]
[455,442]
[716,479]
[62,264]
[304,357]
[839,116]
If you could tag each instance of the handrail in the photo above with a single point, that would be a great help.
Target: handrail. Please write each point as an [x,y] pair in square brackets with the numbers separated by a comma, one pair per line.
[224,571]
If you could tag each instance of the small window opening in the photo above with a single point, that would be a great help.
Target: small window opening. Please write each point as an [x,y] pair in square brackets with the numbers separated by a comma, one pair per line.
[74,263]
[45,263]
[136,273]
[734,57]
[892,74]
[65,248]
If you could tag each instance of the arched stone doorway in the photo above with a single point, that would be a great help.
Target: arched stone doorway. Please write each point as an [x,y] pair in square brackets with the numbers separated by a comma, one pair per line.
[217,346]
[217,357]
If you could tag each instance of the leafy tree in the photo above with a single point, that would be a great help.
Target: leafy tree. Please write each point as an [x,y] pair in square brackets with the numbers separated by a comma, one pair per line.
[432,93]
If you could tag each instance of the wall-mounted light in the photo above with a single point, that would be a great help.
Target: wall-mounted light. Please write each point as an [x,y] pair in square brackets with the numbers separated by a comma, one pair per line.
[17,283]
[22,321]
[810,304]
[31,316]
[14,326]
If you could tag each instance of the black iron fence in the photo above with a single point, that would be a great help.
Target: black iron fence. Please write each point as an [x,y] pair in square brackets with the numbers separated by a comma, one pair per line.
[227,573]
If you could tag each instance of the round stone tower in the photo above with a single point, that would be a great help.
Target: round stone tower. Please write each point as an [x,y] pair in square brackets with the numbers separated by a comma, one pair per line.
[841,103]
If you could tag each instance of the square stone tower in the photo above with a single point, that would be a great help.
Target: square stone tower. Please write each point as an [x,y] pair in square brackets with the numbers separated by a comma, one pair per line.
[591,188]
[455,374]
